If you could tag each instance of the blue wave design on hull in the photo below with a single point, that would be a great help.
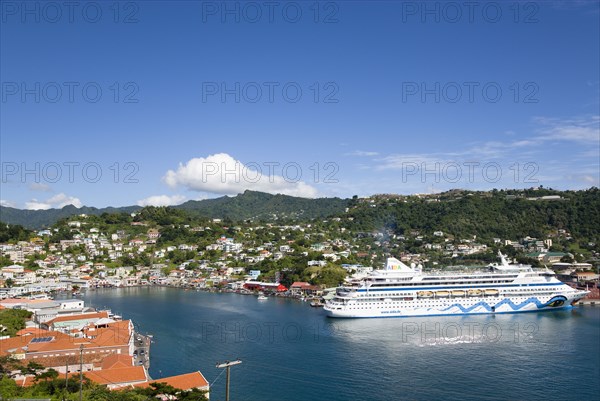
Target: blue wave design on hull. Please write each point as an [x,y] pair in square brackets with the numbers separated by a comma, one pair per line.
[507,301]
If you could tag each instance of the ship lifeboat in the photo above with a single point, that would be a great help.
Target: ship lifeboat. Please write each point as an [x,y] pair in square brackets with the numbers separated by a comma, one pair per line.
[492,292]
[458,293]
[474,293]
[425,294]
[442,294]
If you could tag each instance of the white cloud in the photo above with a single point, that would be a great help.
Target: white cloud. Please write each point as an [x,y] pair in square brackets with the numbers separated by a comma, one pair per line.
[161,200]
[580,130]
[6,203]
[222,174]
[57,201]
[36,186]
[403,161]
[589,179]
[361,153]
[475,153]
[578,179]
[584,131]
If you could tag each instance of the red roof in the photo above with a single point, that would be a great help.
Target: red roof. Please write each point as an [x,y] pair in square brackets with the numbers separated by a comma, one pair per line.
[118,376]
[303,285]
[184,382]
[32,331]
[114,361]
[83,316]
[114,334]
[265,286]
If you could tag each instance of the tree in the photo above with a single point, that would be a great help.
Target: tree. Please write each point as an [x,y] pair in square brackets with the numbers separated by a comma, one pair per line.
[31,368]
[8,387]
[13,233]
[50,374]
[330,276]
[13,320]
[567,259]
[5,261]
[7,365]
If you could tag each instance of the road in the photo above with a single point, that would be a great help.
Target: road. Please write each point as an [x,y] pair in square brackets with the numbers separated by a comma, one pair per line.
[141,353]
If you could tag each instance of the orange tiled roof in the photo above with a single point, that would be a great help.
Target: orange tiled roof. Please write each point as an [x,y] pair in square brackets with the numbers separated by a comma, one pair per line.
[33,331]
[13,301]
[118,376]
[115,334]
[36,301]
[99,315]
[60,341]
[114,361]
[186,381]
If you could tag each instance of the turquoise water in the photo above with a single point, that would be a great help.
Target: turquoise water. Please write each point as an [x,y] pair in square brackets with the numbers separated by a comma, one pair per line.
[290,351]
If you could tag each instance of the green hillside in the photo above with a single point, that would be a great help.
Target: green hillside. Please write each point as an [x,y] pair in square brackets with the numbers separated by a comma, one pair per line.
[263,206]
[249,205]
[495,214]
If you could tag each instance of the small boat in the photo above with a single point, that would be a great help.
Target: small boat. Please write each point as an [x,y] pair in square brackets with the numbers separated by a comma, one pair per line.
[317,304]
[474,293]
[442,294]
[424,294]
[262,298]
[458,293]
[492,292]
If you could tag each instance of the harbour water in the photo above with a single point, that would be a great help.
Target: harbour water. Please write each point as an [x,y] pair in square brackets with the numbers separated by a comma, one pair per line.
[290,351]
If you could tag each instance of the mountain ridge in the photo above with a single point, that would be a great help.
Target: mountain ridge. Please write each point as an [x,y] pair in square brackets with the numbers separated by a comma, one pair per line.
[246,205]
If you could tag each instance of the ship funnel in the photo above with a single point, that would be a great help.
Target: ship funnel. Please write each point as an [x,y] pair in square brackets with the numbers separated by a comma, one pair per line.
[395,264]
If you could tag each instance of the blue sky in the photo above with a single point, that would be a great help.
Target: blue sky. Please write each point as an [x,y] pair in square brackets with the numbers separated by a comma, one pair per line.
[151,102]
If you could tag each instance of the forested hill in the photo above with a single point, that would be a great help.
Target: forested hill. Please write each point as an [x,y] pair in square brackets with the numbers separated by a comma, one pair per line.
[495,214]
[249,205]
[262,206]
[35,219]
[463,214]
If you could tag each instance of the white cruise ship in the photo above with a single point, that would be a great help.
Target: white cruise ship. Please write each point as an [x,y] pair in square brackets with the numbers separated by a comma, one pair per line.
[400,290]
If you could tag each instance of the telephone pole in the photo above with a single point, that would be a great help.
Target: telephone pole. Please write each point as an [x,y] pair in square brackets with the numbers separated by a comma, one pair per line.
[81,372]
[228,365]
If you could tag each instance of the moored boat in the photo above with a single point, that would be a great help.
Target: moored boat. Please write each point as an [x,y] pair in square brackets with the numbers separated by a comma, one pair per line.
[317,304]
[400,290]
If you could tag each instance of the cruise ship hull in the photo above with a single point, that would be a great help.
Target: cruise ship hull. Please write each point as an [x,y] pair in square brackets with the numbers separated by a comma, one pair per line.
[474,306]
